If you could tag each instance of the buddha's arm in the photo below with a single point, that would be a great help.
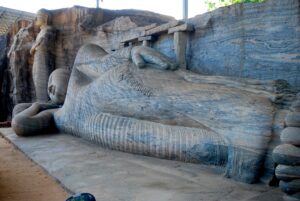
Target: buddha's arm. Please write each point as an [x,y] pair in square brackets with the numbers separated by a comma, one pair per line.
[32,120]
[92,60]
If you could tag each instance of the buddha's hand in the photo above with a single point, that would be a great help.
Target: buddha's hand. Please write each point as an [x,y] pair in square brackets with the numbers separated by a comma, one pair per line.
[143,56]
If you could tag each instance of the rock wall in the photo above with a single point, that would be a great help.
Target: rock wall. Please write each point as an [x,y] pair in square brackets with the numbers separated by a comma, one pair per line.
[260,41]
[15,69]
[3,77]
[79,25]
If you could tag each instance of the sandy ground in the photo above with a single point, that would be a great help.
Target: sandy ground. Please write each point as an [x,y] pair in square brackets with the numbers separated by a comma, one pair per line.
[22,180]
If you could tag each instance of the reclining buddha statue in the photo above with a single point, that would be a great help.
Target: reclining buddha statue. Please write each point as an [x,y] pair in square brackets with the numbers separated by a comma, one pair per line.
[136,100]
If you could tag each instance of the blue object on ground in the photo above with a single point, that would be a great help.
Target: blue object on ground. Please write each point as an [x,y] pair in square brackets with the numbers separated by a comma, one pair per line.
[82,197]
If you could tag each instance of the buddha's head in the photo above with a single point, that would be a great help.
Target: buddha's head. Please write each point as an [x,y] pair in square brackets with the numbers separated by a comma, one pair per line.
[57,85]
[42,17]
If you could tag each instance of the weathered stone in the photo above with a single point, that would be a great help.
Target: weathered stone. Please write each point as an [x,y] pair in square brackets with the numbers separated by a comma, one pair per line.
[183,28]
[258,41]
[3,79]
[5,124]
[20,65]
[18,81]
[296,106]
[149,38]
[287,173]
[20,107]
[180,44]
[32,118]
[291,135]
[290,187]
[287,154]
[43,51]
[293,119]
[292,197]
[163,27]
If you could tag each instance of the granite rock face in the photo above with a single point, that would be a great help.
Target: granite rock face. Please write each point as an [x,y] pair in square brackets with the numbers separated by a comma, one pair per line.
[77,26]
[259,41]
[20,63]
[4,91]
[15,78]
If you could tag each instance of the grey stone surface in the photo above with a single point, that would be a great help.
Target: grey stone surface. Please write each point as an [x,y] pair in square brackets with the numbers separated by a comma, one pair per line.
[4,78]
[44,57]
[290,187]
[33,118]
[287,154]
[180,43]
[260,41]
[291,135]
[296,106]
[287,173]
[113,176]
[293,119]
[163,28]
[182,28]
[292,197]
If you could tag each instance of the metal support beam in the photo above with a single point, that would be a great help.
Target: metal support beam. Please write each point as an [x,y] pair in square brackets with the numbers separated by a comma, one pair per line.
[97,3]
[185,9]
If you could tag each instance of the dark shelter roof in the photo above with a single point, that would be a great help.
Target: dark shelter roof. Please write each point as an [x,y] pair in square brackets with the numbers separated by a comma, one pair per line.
[8,16]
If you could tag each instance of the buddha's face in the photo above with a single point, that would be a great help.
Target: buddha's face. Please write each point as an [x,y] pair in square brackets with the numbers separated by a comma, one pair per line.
[57,85]
[41,18]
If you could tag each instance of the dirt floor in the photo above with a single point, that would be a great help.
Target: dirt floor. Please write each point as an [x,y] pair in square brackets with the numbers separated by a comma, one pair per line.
[22,180]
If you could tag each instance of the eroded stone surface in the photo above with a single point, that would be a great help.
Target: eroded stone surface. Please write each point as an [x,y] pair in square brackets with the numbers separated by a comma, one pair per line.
[259,41]
[293,119]
[287,154]
[287,173]
[292,197]
[291,186]
[296,106]
[291,135]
